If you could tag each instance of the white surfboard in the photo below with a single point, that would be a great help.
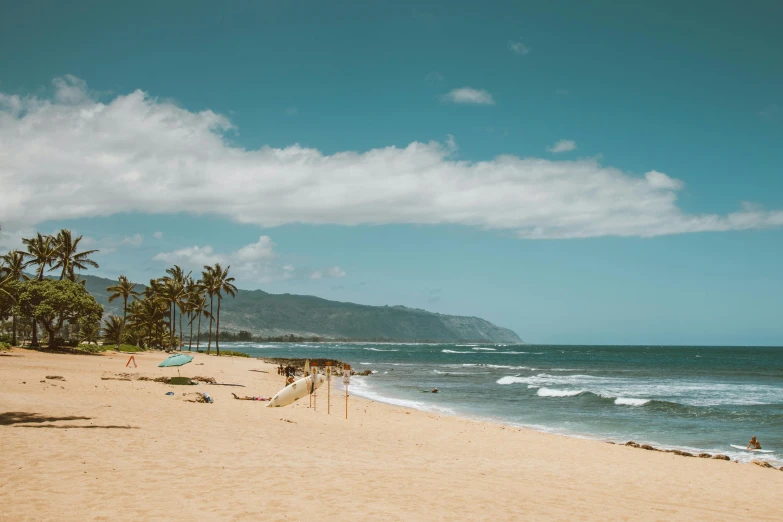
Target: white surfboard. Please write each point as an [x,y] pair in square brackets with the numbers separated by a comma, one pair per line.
[296,390]
[745,448]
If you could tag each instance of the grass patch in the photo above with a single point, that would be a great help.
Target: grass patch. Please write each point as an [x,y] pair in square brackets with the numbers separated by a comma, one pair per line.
[94,348]
[233,354]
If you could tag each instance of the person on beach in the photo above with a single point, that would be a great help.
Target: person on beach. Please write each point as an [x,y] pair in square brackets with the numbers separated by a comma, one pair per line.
[754,443]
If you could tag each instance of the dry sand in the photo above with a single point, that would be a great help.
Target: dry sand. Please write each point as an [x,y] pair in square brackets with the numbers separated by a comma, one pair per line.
[91,449]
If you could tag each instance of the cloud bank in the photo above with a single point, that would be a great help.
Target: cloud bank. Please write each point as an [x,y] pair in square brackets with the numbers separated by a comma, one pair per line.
[73,156]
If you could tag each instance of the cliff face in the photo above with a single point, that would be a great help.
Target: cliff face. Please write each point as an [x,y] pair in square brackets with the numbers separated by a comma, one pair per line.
[272,315]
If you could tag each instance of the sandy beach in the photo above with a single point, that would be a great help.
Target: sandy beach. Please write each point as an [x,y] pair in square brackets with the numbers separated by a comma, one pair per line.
[89,448]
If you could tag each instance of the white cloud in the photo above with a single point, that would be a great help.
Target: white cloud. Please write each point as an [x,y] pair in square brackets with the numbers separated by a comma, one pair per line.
[562,146]
[158,235]
[109,244]
[469,95]
[518,47]
[135,240]
[76,159]
[253,262]
[335,272]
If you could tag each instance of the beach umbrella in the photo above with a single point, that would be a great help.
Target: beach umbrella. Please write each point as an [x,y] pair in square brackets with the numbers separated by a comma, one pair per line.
[176,360]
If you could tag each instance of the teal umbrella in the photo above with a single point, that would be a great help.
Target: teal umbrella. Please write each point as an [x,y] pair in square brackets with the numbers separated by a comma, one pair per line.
[177,360]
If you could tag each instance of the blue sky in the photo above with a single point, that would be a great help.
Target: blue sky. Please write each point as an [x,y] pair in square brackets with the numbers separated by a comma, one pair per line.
[427,170]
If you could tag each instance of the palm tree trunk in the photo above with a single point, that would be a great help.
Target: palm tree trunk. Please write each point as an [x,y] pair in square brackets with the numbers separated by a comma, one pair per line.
[13,330]
[198,330]
[217,329]
[190,337]
[181,332]
[122,327]
[209,346]
[34,339]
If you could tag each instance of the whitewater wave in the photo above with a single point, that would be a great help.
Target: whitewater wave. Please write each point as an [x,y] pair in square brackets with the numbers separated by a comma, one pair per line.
[450,373]
[453,351]
[379,350]
[360,387]
[511,379]
[630,401]
[551,392]
[484,349]
[690,393]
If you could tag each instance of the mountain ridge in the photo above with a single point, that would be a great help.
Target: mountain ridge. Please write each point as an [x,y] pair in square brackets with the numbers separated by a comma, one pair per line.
[271,315]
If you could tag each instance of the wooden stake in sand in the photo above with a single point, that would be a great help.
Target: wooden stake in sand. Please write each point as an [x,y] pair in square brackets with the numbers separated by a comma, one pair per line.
[131,360]
[314,369]
[346,381]
[328,387]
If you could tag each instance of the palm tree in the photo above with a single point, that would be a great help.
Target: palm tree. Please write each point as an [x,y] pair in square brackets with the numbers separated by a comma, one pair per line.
[207,282]
[192,293]
[41,251]
[172,293]
[181,280]
[112,330]
[14,267]
[199,307]
[147,316]
[125,289]
[67,256]
[221,283]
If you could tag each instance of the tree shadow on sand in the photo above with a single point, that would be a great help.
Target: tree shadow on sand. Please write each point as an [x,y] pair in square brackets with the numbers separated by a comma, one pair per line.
[22,419]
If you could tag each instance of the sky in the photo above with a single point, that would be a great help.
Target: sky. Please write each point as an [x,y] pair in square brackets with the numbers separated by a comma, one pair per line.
[582,174]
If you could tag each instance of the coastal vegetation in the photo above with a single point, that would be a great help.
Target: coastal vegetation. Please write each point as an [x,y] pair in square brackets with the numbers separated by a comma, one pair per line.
[33,302]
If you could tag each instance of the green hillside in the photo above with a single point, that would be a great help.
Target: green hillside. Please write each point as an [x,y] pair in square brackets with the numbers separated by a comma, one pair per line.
[269,315]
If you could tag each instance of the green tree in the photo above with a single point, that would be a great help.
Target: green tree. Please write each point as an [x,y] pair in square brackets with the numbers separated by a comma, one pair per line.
[207,282]
[52,303]
[68,256]
[199,307]
[180,279]
[112,330]
[41,251]
[124,289]
[221,284]
[14,271]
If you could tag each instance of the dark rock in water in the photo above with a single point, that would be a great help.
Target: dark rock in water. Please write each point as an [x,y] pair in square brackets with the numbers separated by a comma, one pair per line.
[648,447]
[632,444]
[761,463]
[705,456]
[365,372]
[721,457]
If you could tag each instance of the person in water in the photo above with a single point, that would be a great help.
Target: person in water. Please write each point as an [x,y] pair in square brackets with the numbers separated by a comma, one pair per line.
[754,443]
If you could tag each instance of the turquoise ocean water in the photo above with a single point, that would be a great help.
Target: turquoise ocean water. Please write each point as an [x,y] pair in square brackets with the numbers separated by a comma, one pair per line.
[693,398]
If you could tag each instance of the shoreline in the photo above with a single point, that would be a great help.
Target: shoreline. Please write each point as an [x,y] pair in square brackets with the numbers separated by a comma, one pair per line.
[153,456]
[689,451]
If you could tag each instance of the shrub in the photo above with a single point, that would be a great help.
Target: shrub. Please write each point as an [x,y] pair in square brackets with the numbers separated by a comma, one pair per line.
[233,354]
[128,348]
[4,346]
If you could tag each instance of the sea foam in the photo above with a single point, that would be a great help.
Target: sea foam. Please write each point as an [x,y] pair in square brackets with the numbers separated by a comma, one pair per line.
[550,392]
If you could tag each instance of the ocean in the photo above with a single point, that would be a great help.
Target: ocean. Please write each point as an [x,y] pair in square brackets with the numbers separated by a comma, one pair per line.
[698,399]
